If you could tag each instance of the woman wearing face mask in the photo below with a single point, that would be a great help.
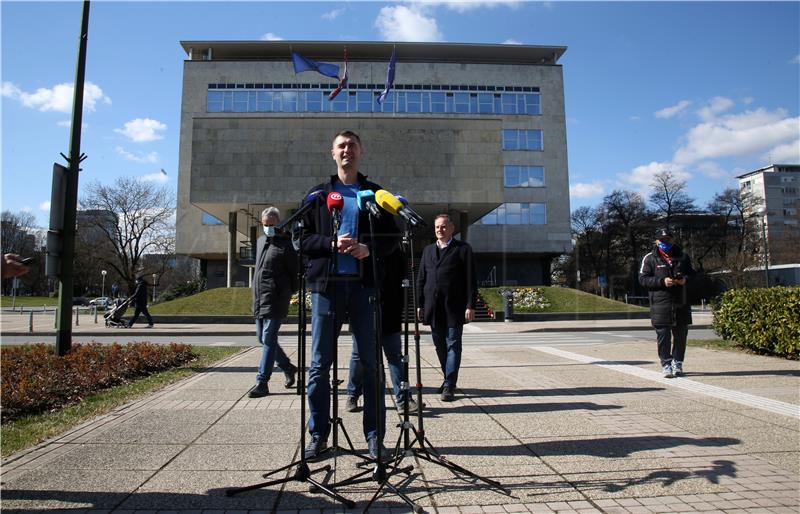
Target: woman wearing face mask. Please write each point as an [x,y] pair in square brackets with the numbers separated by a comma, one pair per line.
[274,282]
[664,273]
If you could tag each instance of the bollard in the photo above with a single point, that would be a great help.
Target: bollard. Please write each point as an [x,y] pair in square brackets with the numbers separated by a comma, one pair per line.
[95,314]
[30,323]
[77,316]
[508,306]
[55,317]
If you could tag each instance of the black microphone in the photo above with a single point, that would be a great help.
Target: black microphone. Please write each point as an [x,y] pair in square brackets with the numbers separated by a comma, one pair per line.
[306,204]
[366,202]
[394,206]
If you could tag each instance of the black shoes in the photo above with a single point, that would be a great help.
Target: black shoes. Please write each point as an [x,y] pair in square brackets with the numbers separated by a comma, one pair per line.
[315,447]
[448,393]
[259,391]
[289,373]
[412,406]
[351,405]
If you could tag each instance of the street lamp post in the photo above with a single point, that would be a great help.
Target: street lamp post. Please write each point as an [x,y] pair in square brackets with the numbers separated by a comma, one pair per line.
[103,288]
[154,287]
[577,264]
[763,213]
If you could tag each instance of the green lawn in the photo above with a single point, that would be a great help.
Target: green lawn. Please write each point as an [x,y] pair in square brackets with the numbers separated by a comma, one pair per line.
[563,299]
[30,430]
[29,301]
[221,301]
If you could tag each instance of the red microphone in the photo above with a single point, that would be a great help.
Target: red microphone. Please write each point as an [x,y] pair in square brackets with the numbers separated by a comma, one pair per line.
[335,206]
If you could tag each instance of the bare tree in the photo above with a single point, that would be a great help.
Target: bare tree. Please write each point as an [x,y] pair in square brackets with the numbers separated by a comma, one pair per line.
[628,223]
[19,236]
[127,221]
[669,196]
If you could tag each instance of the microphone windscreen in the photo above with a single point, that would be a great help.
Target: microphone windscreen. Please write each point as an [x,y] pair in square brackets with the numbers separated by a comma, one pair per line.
[362,197]
[313,196]
[388,201]
[402,200]
[335,201]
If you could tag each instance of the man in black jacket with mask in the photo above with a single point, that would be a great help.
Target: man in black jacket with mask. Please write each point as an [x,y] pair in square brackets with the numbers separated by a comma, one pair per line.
[274,281]
[140,303]
[664,273]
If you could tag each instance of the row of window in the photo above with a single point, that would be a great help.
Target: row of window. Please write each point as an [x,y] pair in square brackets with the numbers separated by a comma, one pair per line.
[517,139]
[523,176]
[517,214]
[378,87]
[437,102]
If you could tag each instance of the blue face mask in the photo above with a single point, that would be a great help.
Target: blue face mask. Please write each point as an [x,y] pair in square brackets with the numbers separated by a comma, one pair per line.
[269,231]
[665,247]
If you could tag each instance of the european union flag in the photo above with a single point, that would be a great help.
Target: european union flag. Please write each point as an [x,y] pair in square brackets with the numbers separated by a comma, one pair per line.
[389,77]
[302,64]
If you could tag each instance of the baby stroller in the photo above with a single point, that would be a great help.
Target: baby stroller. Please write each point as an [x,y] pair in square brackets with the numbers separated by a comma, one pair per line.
[114,316]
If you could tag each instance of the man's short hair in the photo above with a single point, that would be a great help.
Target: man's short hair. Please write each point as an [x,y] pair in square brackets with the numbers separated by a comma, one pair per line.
[271,211]
[347,133]
[444,215]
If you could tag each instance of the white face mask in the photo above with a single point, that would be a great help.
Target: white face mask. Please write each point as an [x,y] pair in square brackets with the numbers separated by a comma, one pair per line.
[269,231]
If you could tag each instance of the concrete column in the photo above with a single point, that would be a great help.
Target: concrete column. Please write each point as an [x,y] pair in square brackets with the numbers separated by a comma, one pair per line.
[231,246]
[463,222]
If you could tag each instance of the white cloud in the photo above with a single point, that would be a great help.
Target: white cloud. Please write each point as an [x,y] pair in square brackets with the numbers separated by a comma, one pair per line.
[141,157]
[717,105]
[142,130]
[737,134]
[68,124]
[748,100]
[512,42]
[641,177]
[586,190]
[58,98]
[786,153]
[44,206]
[407,23]
[634,118]
[712,170]
[462,6]
[158,177]
[27,209]
[332,15]
[795,59]
[669,112]
[269,36]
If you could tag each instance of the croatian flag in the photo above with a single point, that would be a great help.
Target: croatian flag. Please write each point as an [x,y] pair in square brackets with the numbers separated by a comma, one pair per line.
[342,81]
[389,77]
[302,64]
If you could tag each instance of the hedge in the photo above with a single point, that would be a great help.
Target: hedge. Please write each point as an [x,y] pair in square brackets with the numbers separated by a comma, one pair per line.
[763,320]
[35,380]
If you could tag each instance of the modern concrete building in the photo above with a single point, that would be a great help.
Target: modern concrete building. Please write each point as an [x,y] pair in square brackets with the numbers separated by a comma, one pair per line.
[474,130]
[773,194]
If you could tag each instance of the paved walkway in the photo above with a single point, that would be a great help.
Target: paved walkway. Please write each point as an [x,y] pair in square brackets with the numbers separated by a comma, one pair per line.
[572,428]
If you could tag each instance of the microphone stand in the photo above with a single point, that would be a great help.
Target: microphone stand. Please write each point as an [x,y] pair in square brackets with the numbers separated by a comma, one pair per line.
[425,451]
[302,473]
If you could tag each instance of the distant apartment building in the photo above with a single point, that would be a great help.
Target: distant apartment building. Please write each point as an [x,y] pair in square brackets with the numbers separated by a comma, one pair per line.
[772,193]
[477,131]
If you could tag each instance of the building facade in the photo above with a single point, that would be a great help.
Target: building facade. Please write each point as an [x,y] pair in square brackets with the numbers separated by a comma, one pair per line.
[477,131]
[772,194]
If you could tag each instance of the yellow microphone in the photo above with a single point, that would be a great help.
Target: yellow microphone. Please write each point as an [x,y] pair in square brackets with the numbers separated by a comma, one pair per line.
[391,204]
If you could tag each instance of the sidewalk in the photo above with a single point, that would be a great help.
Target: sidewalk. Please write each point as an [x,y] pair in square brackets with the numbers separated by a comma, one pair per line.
[565,428]
[14,324]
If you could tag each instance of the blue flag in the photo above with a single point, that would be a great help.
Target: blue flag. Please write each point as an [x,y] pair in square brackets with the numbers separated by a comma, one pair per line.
[302,64]
[389,77]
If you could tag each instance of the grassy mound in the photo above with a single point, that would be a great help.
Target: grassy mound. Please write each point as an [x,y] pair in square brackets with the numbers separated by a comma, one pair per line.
[561,299]
[221,301]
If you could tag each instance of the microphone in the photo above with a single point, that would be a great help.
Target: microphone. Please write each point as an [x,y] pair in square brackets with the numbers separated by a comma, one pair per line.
[402,200]
[335,206]
[366,202]
[305,206]
[393,205]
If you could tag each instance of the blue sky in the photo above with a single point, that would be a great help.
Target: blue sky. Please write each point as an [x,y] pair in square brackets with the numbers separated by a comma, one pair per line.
[707,90]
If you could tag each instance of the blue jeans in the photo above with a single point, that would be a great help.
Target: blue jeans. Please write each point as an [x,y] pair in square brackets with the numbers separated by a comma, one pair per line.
[394,358]
[447,341]
[352,298]
[271,351]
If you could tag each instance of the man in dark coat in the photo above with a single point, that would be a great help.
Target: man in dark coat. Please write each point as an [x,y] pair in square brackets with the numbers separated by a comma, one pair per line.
[664,273]
[447,289]
[140,303]
[274,282]
[343,286]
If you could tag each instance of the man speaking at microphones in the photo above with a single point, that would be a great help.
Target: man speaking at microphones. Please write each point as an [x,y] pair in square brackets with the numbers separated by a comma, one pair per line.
[344,290]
